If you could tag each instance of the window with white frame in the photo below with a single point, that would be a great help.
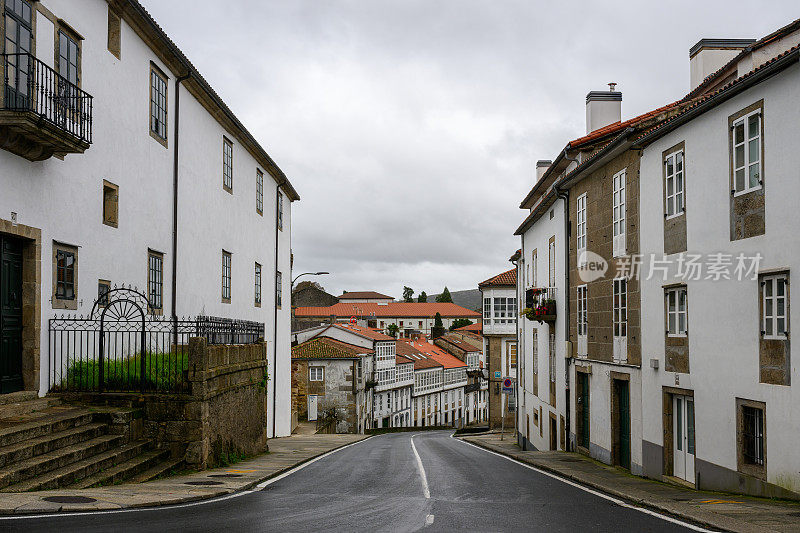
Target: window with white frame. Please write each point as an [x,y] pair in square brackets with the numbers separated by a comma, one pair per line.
[583,326]
[774,306]
[747,153]
[533,268]
[316,373]
[500,310]
[580,220]
[618,213]
[487,309]
[620,310]
[673,187]
[551,262]
[677,325]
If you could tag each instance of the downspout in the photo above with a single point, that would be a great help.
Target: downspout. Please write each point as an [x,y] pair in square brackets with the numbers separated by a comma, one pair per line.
[174,303]
[517,420]
[275,317]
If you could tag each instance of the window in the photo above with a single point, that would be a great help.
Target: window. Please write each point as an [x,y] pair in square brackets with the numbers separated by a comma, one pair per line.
[747,153]
[259,192]
[673,187]
[512,354]
[65,270]
[512,310]
[677,325]
[500,310]
[114,38]
[533,268]
[110,204]
[258,286]
[552,351]
[155,281]
[68,61]
[103,286]
[487,309]
[753,435]
[158,105]
[226,277]
[774,290]
[316,373]
[227,165]
[278,289]
[620,307]
[618,213]
[280,210]
[580,220]
[551,261]
[583,325]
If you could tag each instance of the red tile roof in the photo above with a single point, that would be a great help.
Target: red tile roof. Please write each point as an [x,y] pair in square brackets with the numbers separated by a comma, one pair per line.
[476,327]
[461,343]
[401,360]
[364,295]
[421,360]
[509,277]
[432,352]
[619,126]
[327,348]
[366,332]
[389,310]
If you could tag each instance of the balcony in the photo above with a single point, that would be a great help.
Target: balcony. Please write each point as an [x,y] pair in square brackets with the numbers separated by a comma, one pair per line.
[540,304]
[499,326]
[41,113]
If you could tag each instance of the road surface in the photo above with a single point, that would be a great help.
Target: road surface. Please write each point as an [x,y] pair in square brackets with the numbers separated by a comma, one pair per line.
[397,482]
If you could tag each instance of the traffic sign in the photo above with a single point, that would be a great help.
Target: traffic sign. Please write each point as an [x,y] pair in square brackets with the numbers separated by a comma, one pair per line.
[508,385]
[497,374]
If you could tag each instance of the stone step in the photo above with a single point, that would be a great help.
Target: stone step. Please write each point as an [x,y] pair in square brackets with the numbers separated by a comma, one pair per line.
[57,459]
[27,403]
[74,472]
[34,425]
[163,468]
[29,448]
[125,470]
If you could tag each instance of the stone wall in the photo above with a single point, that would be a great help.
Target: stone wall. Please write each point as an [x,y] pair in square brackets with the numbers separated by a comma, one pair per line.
[336,389]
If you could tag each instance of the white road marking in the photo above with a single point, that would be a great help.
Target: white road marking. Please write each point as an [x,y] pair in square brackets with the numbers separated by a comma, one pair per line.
[429,519]
[258,487]
[421,469]
[619,502]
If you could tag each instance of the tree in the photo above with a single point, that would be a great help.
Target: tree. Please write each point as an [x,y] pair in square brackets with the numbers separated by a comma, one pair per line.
[408,294]
[393,330]
[423,297]
[460,323]
[445,296]
[305,284]
[438,327]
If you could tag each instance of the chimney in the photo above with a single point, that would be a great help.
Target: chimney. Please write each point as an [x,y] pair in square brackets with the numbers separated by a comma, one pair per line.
[603,108]
[541,167]
[710,55]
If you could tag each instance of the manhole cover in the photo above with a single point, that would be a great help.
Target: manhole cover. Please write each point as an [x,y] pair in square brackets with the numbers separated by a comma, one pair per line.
[204,483]
[69,499]
[224,475]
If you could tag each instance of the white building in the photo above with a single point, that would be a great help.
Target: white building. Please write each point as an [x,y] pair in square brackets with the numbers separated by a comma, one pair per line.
[719,188]
[137,173]
[541,266]
[468,348]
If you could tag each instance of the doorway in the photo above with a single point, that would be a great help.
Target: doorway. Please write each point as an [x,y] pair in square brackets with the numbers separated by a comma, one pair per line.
[582,409]
[10,315]
[553,433]
[683,437]
[621,423]
[312,407]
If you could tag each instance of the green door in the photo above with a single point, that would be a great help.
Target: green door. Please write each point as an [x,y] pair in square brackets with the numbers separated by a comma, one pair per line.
[623,392]
[10,315]
[583,410]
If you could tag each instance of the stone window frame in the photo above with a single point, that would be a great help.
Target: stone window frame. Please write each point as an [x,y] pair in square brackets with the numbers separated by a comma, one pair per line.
[676,290]
[110,204]
[257,284]
[158,75]
[756,108]
[551,261]
[60,27]
[154,259]
[534,257]
[227,164]
[227,276]
[742,464]
[278,289]
[311,373]
[762,280]
[65,303]
[673,152]
[114,41]
[102,299]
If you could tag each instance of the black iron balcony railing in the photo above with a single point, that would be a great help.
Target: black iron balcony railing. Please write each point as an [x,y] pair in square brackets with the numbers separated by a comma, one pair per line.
[30,85]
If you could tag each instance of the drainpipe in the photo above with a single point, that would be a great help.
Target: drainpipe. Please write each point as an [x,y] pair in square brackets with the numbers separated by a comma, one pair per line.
[275,317]
[517,420]
[174,298]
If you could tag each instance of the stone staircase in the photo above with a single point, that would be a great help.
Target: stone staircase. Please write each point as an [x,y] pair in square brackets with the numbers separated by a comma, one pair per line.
[45,444]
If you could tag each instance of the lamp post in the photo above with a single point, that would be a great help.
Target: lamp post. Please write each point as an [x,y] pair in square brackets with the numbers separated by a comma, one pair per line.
[308,274]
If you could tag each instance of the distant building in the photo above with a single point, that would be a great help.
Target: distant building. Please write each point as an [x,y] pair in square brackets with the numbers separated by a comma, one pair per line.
[364,297]
[310,295]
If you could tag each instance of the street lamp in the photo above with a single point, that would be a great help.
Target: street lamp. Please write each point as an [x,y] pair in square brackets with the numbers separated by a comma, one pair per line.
[308,274]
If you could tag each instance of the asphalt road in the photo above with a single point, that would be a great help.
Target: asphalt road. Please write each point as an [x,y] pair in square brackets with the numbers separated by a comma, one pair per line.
[381,485]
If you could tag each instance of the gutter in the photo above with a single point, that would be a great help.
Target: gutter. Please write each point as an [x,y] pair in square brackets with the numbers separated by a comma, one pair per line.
[174,297]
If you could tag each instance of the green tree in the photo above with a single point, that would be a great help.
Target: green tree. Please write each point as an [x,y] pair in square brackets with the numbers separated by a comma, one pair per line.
[408,294]
[460,323]
[438,327]
[445,296]
[423,297]
[393,330]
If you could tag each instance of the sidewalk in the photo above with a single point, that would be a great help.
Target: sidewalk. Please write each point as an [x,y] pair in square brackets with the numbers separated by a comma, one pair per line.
[710,509]
[285,453]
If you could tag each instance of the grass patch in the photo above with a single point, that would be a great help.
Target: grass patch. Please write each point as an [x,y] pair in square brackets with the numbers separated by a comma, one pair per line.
[163,371]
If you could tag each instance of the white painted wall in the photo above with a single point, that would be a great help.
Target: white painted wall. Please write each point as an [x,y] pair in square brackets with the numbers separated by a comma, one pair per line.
[723,315]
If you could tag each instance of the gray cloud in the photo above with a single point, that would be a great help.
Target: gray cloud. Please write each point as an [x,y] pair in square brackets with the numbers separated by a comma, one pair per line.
[410,128]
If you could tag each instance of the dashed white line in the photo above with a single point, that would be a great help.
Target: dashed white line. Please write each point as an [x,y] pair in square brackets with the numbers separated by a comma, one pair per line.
[421,469]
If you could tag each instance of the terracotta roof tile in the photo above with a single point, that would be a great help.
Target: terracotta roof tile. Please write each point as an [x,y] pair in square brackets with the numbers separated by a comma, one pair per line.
[509,277]
[327,348]
[477,327]
[364,295]
[389,310]
[366,332]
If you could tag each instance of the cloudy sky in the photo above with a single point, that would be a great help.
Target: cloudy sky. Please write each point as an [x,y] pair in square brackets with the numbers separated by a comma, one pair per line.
[411,128]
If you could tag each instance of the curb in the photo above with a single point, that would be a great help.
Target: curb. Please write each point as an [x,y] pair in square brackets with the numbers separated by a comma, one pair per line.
[90,508]
[611,492]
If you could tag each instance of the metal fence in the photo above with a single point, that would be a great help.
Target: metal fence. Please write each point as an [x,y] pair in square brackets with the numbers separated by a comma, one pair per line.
[31,85]
[125,354]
